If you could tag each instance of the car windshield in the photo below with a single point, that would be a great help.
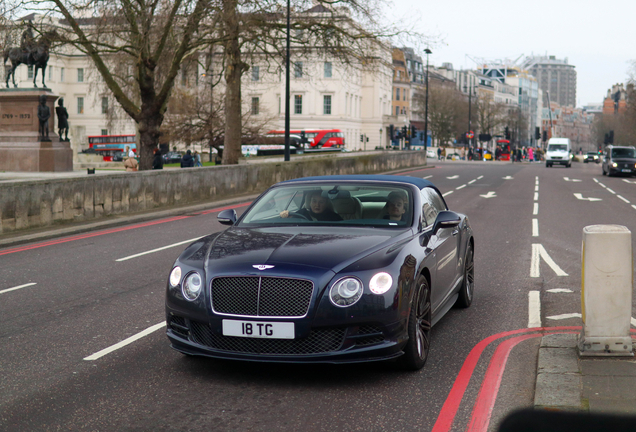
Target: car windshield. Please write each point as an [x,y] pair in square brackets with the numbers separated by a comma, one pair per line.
[557,147]
[591,153]
[333,204]
[623,153]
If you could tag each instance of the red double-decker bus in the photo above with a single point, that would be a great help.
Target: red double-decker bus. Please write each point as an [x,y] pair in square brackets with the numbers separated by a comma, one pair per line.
[317,138]
[110,146]
[505,149]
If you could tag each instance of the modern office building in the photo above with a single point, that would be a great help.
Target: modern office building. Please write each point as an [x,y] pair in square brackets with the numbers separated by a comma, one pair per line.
[555,76]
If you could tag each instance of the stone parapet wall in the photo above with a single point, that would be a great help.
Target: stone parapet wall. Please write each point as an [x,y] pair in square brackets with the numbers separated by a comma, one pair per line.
[41,203]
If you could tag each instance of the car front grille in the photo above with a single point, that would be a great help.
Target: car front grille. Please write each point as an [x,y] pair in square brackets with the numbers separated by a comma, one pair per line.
[369,335]
[318,341]
[261,296]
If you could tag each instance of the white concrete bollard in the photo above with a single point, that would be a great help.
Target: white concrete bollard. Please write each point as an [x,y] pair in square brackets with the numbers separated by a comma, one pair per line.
[606,291]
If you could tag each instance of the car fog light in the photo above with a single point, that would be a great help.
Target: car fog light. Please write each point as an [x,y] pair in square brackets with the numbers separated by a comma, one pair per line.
[192,286]
[345,292]
[175,276]
[614,164]
[380,283]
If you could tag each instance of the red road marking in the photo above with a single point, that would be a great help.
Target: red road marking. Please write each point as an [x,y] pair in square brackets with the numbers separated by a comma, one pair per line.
[108,231]
[448,412]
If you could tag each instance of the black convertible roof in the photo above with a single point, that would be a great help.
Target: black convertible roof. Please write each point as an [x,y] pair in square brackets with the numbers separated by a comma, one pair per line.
[419,182]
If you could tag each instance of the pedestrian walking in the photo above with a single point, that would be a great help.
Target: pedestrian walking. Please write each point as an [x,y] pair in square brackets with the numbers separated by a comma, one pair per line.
[157,161]
[187,161]
[530,154]
[131,164]
[439,153]
[462,153]
[197,159]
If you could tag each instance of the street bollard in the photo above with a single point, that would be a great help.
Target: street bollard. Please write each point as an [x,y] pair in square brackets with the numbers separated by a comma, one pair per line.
[606,291]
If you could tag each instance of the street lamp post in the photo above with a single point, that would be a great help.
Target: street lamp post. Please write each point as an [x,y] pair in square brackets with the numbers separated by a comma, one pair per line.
[427,51]
[469,90]
[287,97]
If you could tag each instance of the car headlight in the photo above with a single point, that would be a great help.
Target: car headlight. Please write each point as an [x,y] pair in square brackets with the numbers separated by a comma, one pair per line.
[614,164]
[380,283]
[345,292]
[175,276]
[192,286]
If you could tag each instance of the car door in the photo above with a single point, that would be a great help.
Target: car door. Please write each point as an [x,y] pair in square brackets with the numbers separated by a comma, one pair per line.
[444,245]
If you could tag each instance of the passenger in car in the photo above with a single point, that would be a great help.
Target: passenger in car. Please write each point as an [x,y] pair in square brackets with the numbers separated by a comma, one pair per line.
[396,206]
[319,209]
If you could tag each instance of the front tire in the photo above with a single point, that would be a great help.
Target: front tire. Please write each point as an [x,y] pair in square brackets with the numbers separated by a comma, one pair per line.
[419,328]
[468,285]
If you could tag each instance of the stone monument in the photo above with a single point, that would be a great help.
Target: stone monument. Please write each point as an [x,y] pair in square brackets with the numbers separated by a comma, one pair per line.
[22,148]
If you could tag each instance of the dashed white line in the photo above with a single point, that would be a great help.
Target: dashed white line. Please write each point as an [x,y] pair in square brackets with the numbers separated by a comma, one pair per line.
[447,193]
[460,187]
[634,206]
[535,227]
[536,196]
[536,188]
[125,342]
[534,309]
[611,191]
[157,250]
[428,177]
[627,201]
[480,177]
[535,209]
[17,287]
[472,181]
[595,180]
[559,290]
[564,316]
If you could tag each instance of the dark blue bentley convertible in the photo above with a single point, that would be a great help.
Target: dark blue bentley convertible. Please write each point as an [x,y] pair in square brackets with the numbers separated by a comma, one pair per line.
[327,269]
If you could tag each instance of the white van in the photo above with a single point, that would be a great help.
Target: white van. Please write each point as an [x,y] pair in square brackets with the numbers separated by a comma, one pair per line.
[559,152]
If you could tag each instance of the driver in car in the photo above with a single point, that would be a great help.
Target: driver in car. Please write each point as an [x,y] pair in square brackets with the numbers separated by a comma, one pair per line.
[318,209]
[396,206]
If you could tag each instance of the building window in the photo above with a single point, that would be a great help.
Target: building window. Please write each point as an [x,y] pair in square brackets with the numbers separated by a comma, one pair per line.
[104,131]
[397,94]
[30,71]
[327,69]
[255,73]
[397,110]
[298,104]
[80,75]
[80,105]
[255,102]
[104,105]
[326,105]
[61,74]
[298,69]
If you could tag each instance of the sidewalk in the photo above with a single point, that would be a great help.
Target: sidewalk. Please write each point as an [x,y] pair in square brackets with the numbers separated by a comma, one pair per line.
[597,385]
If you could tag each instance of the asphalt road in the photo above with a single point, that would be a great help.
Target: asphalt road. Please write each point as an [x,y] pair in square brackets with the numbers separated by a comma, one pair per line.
[85,297]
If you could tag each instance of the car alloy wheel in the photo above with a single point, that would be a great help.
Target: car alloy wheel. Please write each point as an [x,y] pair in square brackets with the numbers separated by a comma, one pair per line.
[419,328]
[468,284]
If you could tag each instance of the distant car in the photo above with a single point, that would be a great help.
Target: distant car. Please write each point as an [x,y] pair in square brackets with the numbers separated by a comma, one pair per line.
[118,157]
[619,160]
[591,157]
[172,157]
[333,269]
[453,156]
[430,153]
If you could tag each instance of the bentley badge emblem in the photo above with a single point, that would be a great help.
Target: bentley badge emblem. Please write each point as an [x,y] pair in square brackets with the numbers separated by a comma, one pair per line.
[263,266]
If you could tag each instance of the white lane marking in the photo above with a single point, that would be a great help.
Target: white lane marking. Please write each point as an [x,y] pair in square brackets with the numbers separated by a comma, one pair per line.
[447,193]
[536,196]
[472,181]
[17,287]
[633,322]
[535,227]
[536,188]
[595,180]
[560,290]
[461,187]
[508,178]
[602,185]
[564,316]
[125,342]
[480,177]
[157,250]
[538,252]
[534,309]
[428,177]
[579,196]
[627,201]
[453,177]
[629,181]
[634,206]
[535,210]
[490,194]
[611,191]
[568,179]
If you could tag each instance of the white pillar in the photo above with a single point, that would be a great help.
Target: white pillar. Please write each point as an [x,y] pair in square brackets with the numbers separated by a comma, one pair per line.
[606,291]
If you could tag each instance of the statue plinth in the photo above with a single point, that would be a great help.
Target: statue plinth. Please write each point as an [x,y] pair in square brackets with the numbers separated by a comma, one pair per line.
[21,147]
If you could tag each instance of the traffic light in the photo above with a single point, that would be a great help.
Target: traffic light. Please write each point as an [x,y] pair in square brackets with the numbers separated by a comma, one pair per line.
[507,133]
[404,131]
[537,133]
[611,137]
[413,131]
[361,138]
[303,137]
[545,136]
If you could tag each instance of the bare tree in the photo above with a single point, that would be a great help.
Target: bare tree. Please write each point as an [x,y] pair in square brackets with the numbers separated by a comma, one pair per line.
[447,111]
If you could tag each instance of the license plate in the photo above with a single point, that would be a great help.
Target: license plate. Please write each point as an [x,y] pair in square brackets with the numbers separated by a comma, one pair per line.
[626,170]
[258,329]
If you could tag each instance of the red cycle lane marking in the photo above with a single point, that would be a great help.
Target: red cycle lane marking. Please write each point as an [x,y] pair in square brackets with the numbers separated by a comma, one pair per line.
[482,410]
[451,405]
[108,231]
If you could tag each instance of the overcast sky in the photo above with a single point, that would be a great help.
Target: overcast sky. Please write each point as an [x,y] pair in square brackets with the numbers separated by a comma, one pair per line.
[597,36]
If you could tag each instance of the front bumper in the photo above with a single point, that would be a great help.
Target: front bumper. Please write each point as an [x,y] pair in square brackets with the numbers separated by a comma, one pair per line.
[362,342]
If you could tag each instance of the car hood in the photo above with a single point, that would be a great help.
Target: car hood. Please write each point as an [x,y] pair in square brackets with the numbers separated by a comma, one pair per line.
[239,250]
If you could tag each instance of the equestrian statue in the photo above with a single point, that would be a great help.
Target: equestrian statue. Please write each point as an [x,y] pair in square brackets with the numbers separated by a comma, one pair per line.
[31,52]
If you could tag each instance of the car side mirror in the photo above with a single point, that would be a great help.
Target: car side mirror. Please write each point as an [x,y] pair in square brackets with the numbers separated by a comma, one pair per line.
[446,219]
[227,217]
